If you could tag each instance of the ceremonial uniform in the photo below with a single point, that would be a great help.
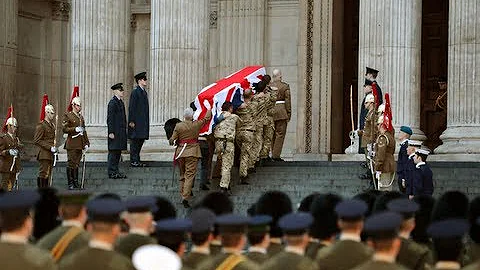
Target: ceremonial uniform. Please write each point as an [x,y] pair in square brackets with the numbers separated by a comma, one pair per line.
[343,255]
[9,164]
[96,258]
[290,260]
[312,249]
[188,151]
[257,257]
[14,256]
[402,163]
[369,132]
[414,256]
[117,125]
[379,265]
[138,113]
[229,261]
[224,144]
[245,136]
[44,139]
[194,259]
[281,116]
[422,180]
[127,244]
[384,160]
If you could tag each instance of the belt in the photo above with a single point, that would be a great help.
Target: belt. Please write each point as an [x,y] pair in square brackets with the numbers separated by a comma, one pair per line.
[280,102]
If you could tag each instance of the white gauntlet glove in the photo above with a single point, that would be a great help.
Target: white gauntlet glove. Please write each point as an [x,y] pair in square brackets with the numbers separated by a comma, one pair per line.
[79,129]
[13,152]
[53,149]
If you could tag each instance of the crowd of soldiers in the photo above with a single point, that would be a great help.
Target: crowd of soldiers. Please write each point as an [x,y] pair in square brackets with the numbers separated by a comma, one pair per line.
[414,176]
[252,128]
[373,230]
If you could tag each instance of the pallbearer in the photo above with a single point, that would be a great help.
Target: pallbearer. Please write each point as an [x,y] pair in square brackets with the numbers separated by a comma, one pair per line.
[117,131]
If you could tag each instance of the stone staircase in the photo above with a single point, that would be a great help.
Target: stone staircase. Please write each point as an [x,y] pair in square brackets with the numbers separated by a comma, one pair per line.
[297,179]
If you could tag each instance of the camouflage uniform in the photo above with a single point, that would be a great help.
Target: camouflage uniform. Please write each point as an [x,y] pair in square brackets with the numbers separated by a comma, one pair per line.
[268,124]
[262,101]
[384,160]
[245,136]
[224,143]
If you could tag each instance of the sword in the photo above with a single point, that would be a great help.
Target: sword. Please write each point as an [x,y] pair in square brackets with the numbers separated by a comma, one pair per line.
[373,173]
[13,163]
[83,171]
[15,185]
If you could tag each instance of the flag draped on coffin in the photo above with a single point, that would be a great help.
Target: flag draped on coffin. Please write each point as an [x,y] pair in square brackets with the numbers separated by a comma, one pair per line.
[230,89]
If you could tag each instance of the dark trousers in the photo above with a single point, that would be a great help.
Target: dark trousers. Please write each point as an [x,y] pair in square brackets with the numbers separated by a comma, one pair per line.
[135,147]
[74,157]
[113,160]
[206,161]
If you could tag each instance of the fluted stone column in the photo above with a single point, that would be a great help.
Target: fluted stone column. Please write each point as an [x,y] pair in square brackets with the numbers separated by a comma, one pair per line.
[390,41]
[241,38]
[179,43]
[100,34]
[8,52]
[462,135]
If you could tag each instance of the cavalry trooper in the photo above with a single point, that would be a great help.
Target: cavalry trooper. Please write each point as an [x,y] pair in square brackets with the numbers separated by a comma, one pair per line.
[9,155]
[368,133]
[385,165]
[77,141]
[44,138]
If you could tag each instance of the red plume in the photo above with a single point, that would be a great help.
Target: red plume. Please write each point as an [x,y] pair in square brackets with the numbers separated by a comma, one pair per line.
[245,84]
[388,114]
[375,94]
[76,93]
[44,103]
[9,114]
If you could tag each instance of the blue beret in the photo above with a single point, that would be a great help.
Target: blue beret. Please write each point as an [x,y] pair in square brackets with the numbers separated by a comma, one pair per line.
[403,206]
[406,129]
[295,223]
[18,199]
[141,204]
[448,228]
[203,220]
[384,225]
[174,225]
[232,223]
[353,209]
[106,210]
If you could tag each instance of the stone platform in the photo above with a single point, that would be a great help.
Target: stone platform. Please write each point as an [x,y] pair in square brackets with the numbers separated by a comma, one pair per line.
[298,179]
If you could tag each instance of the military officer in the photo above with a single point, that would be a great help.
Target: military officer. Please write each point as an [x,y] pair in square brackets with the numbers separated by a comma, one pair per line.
[233,230]
[295,227]
[225,143]
[282,114]
[422,177]
[138,119]
[140,221]
[202,234]
[244,136]
[16,213]
[447,236]
[70,236]
[411,255]
[117,131]
[44,138]
[258,238]
[187,153]
[77,141]
[402,161]
[382,230]
[104,225]
[384,160]
[348,251]
[9,154]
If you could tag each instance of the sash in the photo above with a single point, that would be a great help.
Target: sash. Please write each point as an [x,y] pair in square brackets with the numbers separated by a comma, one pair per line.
[62,244]
[230,263]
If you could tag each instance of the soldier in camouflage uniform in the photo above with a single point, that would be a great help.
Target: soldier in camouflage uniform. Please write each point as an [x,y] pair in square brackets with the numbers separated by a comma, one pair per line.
[268,124]
[224,142]
[245,133]
[385,165]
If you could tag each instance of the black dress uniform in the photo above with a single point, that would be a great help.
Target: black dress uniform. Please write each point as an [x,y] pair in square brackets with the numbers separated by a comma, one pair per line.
[138,113]
[117,125]
[403,159]
[422,178]
[15,252]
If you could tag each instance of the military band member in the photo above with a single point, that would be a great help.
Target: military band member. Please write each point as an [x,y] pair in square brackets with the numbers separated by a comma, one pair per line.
[77,141]
[104,225]
[70,236]
[422,177]
[348,251]
[44,138]
[382,230]
[225,142]
[245,134]
[447,236]
[402,161]
[9,155]
[16,213]
[138,119]
[295,227]
[117,131]
[258,238]
[282,115]
[187,153]
[411,255]
[384,161]
[202,234]
[140,222]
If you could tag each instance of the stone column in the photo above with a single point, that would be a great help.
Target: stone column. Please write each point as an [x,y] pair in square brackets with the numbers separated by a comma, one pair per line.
[100,34]
[390,41]
[462,135]
[179,43]
[241,34]
[8,53]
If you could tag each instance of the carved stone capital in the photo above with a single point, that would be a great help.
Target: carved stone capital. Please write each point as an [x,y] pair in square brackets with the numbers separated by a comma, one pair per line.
[61,10]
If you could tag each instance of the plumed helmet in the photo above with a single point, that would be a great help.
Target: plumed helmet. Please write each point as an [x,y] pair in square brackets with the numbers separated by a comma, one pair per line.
[12,122]
[370,98]
[76,101]
[49,108]
[381,108]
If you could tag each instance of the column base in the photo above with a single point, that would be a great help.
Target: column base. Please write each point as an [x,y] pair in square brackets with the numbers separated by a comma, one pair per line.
[460,140]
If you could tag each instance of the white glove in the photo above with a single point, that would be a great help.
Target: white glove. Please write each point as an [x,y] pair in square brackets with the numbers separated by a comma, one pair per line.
[377,174]
[86,148]
[79,129]
[13,152]
[53,149]
[403,183]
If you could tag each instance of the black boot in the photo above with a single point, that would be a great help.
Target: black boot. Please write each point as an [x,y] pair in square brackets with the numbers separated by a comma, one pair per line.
[39,182]
[44,182]
[75,179]
[70,178]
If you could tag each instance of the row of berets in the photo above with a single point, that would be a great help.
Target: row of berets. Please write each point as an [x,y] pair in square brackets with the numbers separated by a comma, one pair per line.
[371,231]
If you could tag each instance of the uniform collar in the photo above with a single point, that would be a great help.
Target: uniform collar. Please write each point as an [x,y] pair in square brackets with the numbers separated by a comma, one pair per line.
[138,231]
[383,258]
[447,265]
[13,238]
[420,164]
[257,249]
[201,250]
[350,236]
[411,156]
[72,223]
[231,251]
[404,141]
[295,250]
[404,235]
[100,245]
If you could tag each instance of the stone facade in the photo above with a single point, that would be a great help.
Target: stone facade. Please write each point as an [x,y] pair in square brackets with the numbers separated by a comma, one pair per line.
[50,46]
